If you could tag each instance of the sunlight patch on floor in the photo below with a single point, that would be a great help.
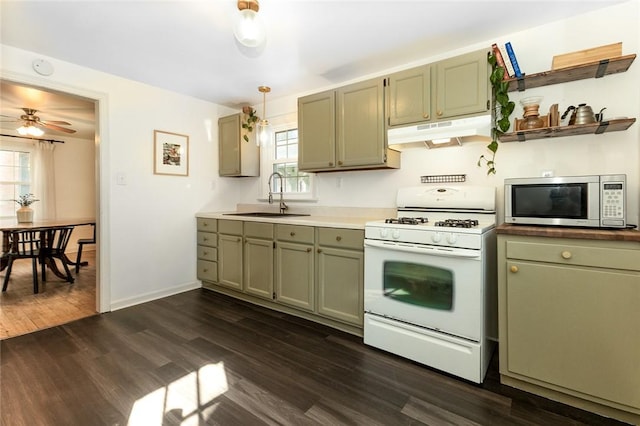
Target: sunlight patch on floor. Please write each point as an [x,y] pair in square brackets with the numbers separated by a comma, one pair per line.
[186,399]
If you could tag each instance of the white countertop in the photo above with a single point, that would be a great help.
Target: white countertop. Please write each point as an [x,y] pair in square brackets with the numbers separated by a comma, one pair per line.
[312,220]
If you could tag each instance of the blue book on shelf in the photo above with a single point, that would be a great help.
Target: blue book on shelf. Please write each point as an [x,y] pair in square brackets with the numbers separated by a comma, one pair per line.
[514,61]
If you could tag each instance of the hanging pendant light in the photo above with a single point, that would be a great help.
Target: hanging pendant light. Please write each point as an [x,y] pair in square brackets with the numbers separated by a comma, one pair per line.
[263,127]
[249,28]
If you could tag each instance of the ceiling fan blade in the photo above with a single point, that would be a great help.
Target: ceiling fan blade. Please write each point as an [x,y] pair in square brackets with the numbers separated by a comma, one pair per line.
[55,122]
[54,127]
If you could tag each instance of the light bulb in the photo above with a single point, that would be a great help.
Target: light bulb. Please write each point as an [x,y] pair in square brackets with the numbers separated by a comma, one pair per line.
[249,29]
[264,133]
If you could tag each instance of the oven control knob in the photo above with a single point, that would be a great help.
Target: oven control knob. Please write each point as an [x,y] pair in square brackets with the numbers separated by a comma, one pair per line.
[384,233]
[395,234]
[436,237]
[452,238]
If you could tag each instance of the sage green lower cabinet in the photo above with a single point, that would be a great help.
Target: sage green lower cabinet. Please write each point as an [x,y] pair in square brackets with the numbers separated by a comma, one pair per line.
[230,253]
[207,264]
[295,266]
[340,277]
[258,259]
[570,322]
[314,272]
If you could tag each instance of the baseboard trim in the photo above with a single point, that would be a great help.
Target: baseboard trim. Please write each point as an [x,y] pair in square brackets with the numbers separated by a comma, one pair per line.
[154,295]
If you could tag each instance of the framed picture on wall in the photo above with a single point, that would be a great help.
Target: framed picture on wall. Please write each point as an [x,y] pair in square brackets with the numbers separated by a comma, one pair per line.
[170,153]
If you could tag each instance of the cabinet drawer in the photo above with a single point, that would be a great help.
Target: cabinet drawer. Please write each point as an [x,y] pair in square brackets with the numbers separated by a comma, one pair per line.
[575,254]
[345,238]
[207,270]
[233,227]
[207,253]
[258,230]
[207,225]
[302,234]
[207,239]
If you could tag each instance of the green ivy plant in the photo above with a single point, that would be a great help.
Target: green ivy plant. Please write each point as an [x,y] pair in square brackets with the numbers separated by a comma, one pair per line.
[502,108]
[250,120]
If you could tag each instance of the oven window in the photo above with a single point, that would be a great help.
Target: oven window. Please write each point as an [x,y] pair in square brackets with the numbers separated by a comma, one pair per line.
[418,284]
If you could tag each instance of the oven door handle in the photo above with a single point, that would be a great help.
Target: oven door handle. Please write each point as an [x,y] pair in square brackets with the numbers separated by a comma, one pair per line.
[420,249]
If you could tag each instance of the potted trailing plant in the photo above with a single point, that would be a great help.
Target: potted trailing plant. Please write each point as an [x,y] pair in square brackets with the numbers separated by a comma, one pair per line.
[25,212]
[502,109]
[250,120]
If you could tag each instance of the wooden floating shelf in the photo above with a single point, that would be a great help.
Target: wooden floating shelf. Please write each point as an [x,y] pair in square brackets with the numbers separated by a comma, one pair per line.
[556,132]
[594,69]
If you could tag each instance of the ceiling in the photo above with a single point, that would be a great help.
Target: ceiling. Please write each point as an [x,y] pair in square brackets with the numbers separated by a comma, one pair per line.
[188,46]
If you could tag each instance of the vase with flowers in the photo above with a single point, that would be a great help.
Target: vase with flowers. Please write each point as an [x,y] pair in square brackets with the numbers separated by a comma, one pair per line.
[25,212]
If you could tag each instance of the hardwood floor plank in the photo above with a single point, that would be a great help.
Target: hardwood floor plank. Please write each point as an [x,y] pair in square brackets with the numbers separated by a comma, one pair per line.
[207,359]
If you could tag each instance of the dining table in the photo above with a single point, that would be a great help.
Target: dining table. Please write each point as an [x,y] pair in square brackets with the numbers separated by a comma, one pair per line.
[10,224]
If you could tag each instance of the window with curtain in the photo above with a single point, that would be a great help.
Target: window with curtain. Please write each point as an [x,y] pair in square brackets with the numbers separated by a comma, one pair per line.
[15,179]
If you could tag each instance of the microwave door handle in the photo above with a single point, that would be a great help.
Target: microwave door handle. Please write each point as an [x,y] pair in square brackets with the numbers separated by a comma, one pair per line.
[429,250]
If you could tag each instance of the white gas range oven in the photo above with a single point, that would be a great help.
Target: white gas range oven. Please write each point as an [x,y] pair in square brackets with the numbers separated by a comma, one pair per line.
[430,279]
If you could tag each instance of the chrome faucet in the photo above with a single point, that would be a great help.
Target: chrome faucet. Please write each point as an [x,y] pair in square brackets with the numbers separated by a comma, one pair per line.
[283,206]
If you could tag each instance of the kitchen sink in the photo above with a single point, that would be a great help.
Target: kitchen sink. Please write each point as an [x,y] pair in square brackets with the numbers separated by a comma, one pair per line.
[266,214]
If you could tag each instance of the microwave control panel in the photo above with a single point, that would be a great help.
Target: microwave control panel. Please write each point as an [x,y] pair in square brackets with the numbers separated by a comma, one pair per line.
[613,203]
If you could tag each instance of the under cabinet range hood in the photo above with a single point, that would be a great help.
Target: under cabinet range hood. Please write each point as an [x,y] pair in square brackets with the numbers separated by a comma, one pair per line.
[443,133]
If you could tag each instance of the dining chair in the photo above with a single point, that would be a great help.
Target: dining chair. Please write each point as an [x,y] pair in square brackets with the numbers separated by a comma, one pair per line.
[81,243]
[54,243]
[23,244]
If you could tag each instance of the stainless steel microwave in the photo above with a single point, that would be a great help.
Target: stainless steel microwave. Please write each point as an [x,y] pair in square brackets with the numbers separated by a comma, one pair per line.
[596,201]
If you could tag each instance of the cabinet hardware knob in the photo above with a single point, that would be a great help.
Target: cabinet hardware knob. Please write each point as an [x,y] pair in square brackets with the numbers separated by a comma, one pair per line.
[292,234]
[338,238]
[205,253]
[439,113]
[205,270]
[205,224]
[514,268]
[319,250]
[340,163]
[308,250]
[205,239]
[330,164]
[566,255]
[425,115]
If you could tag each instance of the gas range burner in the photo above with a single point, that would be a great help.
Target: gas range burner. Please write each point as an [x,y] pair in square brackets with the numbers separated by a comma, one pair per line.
[458,223]
[408,220]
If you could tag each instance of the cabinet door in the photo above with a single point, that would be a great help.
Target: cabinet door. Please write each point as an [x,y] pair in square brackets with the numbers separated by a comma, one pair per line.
[258,267]
[294,275]
[317,131]
[229,145]
[230,261]
[361,139]
[576,328]
[340,284]
[409,96]
[462,85]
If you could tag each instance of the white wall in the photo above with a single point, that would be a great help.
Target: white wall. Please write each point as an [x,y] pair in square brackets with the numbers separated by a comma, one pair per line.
[616,152]
[147,226]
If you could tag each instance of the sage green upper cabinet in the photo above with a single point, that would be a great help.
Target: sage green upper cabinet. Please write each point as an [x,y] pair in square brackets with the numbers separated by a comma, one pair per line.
[451,88]
[343,129]
[462,85]
[236,156]
[317,131]
[409,96]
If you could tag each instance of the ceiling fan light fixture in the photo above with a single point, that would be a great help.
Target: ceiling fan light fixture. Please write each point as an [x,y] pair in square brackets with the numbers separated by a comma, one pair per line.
[264,127]
[30,130]
[249,29]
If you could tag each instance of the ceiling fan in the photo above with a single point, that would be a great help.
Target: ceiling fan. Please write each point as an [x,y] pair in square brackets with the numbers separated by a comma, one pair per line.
[32,124]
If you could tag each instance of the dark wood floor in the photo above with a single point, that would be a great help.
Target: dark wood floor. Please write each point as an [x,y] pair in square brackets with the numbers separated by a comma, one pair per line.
[200,358]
